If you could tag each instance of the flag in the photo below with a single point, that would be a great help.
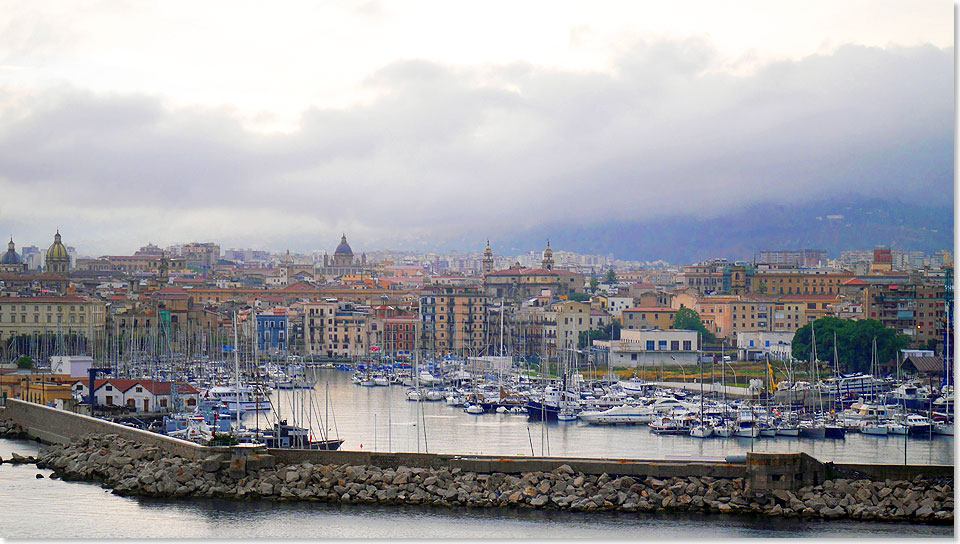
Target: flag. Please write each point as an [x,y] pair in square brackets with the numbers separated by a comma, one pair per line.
[773,383]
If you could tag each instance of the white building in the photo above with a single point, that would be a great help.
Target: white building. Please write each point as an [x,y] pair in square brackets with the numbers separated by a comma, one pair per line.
[651,347]
[753,346]
[139,395]
[75,366]
[490,363]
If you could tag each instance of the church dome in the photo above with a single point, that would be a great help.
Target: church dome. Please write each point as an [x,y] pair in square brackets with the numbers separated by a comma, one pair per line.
[57,251]
[11,256]
[344,247]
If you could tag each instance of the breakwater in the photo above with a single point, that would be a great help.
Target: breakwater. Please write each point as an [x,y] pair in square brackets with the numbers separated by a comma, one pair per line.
[132,468]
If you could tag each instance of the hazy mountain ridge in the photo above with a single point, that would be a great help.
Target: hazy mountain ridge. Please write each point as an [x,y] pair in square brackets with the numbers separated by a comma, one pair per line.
[835,225]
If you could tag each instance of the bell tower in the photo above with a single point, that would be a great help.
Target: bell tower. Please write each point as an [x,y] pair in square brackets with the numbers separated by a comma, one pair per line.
[548,257]
[488,259]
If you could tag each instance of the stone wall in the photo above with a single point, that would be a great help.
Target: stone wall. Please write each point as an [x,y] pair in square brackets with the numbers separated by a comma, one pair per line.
[132,468]
[888,472]
[786,471]
[514,464]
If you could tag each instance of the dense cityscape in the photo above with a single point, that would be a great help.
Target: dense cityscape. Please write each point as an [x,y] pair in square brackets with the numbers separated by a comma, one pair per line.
[537,304]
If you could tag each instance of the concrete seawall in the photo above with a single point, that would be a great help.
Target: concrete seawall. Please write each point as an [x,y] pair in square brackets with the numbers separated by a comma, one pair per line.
[515,464]
[59,427]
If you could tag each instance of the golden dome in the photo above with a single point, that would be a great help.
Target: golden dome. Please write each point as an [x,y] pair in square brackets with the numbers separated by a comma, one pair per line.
[58,251]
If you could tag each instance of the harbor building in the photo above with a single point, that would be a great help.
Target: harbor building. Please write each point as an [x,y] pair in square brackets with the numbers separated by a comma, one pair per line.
[643,348]
[754,346]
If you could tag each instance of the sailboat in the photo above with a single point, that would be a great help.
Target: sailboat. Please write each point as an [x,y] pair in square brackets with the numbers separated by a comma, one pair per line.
[831,427]
[874,427]
[813,428]
[701,429]
[945,427]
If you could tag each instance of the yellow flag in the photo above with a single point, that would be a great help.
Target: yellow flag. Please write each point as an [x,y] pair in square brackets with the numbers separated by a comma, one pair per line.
[773,383]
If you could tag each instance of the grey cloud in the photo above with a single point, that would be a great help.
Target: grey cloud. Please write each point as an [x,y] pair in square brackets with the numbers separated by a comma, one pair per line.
[447,151]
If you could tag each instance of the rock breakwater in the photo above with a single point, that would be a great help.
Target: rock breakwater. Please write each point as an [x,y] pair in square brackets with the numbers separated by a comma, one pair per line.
[11,429]
[130,468]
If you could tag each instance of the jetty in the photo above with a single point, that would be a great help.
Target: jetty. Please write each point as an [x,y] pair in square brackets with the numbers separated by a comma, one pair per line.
[139,463]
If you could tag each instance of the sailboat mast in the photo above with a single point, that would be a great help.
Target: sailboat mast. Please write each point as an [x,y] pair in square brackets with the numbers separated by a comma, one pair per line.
[236,368]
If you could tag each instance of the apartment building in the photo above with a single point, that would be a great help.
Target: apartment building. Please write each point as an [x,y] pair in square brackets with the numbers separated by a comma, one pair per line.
[38,315]
[647,318]
[453,320]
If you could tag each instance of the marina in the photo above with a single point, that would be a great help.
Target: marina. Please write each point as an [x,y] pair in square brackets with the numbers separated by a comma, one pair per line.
[383,419]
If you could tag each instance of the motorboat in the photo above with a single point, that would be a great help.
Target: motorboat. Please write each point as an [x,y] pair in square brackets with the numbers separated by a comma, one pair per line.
[918,425]
[250,398]
[672,424]
[725,429]
[626,414]
[873,428]
[475,409]
[284,436]
[943,427]
[812,429]
[701,430]
[788,429]
[894,427]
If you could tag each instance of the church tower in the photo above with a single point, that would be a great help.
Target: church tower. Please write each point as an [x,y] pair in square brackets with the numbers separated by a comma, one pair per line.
[548,257]
[488,259]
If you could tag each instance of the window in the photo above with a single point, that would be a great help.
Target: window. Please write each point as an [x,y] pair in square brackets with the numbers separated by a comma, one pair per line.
[650,344]
[687,345]
[633,356]
[674,345]
[662,345]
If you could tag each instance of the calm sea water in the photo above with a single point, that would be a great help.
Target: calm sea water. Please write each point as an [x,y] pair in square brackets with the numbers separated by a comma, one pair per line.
[44,508]
[381,418]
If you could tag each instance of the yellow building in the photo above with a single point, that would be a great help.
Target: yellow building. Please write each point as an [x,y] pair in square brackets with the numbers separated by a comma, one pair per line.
[38,388]
[38,315]
[800,282]
[648,318]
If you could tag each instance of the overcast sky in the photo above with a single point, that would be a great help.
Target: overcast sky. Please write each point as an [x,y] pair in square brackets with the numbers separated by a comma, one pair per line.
[276,125]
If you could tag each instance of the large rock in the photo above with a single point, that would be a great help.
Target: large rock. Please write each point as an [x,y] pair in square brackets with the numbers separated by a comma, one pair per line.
[539,500]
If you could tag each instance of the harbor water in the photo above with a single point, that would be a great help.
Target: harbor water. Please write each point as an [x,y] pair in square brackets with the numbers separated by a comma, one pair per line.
[33,508]
[380,418]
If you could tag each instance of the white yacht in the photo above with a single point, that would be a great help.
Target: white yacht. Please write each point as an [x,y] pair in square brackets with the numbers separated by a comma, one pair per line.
[627,414]
[250,399]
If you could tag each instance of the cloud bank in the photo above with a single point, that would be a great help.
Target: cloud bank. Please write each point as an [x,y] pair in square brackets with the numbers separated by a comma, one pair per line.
[446,151]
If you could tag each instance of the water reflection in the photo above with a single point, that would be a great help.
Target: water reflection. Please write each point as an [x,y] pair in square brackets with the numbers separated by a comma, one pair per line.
[381,419]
